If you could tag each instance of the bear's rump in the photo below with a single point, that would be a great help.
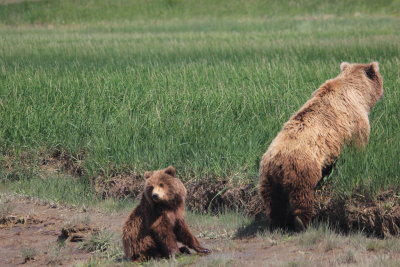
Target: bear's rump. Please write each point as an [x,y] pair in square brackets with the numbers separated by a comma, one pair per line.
[293,168]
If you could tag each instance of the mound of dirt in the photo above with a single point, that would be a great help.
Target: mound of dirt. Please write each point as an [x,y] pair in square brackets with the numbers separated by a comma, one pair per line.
[204,196]
[120,186]
[211,196]
[77,233]
[11,220]
[379,216]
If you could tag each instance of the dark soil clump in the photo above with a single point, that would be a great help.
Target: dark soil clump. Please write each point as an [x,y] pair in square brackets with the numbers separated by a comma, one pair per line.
[11,220]
[76,233]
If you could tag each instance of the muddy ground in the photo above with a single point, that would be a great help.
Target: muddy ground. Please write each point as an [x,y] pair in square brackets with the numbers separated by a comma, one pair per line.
[38,233]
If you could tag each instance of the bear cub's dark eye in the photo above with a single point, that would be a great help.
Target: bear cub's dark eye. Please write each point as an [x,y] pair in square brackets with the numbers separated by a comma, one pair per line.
[161,185]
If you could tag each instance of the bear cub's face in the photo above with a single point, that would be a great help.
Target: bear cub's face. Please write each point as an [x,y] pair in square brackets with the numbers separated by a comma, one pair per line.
[162,187]
[369,74]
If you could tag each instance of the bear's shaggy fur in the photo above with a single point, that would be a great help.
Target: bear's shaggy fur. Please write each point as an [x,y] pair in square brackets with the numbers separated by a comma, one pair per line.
[312,139]
[158,222]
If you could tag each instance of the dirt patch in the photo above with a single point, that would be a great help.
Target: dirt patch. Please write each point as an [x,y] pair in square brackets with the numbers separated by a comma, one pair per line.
[32,233]
[12,220]
[77,233]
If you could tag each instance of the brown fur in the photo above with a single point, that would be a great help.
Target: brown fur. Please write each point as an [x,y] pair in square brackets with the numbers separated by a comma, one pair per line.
[156,225]
[312,139]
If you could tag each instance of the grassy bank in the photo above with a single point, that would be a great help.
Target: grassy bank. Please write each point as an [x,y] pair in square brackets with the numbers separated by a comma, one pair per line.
[202,86]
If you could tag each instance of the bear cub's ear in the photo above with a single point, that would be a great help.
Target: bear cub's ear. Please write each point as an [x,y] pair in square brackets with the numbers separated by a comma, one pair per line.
[170,170]
[148,174]
[375,65]
[344,65]
[371,70]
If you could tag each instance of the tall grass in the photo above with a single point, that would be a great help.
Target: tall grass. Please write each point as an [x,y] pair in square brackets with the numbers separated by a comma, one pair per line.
[59,189]
[75,11]
[204,93]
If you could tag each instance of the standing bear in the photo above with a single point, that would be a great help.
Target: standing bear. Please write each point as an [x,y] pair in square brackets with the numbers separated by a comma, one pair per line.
[156,225]
[308,144]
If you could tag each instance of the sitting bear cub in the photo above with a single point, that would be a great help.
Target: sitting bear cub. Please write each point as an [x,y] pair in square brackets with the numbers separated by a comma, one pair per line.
[158,222]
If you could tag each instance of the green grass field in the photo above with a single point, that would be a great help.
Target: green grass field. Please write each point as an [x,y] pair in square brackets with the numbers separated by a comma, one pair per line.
[201,85]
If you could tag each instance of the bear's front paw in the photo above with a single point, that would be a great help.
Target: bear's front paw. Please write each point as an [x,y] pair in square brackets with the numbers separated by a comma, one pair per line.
[184,250]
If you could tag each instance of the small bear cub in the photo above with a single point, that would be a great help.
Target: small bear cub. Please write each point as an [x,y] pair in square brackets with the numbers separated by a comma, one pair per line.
[157,224]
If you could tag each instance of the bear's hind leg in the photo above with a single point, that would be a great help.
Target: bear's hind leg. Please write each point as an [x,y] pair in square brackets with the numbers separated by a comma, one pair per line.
[266,193]
[301,200]
[278,206]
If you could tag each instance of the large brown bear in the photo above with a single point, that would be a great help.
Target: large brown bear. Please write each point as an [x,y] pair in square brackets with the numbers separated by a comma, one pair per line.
[158,222]
[309,143]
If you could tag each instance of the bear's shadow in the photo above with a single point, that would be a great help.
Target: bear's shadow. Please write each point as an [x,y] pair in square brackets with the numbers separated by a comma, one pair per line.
[260,224]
